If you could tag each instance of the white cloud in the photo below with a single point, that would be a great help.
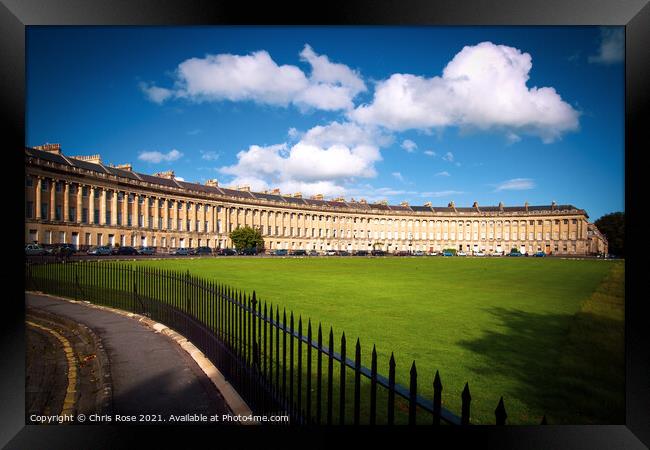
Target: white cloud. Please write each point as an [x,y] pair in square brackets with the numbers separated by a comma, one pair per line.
[512,137]
[449,157]
[293,133]
[430,153]
[156,157]
[398,176]
[257,77]
[155,94]
[179,178]
[444,173]
[515,184]
[325,159]
[409,145]
[209,155]
[482,87]
[612,46]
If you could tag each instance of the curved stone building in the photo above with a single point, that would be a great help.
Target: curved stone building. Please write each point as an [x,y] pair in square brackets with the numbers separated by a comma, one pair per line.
[80,200]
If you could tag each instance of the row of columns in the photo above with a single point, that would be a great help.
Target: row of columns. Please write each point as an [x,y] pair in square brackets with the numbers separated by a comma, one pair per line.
[233,217]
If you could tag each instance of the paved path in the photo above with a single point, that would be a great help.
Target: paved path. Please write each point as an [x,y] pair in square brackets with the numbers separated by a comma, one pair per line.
[150,373]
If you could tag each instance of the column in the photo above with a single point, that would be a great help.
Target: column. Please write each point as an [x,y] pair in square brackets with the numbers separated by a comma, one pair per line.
[156,213]
[135,208]
[145,211]
[165,214]
[79,203]
[102,208]
[125,208]
[174,205]
[114,208]
[91,205]
[37,198]
[52,200]
[66,202]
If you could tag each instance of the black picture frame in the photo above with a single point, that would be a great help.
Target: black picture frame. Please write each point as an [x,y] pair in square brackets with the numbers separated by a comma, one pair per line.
[15,15]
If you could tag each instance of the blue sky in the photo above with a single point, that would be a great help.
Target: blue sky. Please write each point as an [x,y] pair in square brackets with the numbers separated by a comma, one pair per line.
[415,114]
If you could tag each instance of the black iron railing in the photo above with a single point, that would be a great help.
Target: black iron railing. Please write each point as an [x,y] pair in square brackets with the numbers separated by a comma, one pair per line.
[269,361]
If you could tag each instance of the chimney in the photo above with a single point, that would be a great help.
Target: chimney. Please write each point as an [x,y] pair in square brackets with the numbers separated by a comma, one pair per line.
[339,199]
[404,204]
[500,206]
[275,191]
[125,167]
[451,205]
[363,201]
[526,206]
[52,148]
[428,204]
[297,195]
[383,202]
[317,197]
[212,182]
[95,159]
[553,206]
[169,174]
[245,188]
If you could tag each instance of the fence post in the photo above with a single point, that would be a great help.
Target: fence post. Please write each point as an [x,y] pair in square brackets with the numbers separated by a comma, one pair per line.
[437,398]
[500,413]
[413,390]
[330,369]
[466,398]
[357,382]
[76,281]
[251,333]
[373,387]
[342,383]
[188,305]
[391,390]
[308,398]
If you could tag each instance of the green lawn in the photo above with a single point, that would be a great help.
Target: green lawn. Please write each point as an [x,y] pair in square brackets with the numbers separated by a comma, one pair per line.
[547,334]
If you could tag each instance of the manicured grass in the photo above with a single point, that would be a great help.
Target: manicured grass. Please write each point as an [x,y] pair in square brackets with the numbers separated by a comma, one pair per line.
[546,334]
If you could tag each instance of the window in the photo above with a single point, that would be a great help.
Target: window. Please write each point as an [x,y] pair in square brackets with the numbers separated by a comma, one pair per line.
[59,186]
[44,210]
[29,210]
[565,222]
[73,189]
[96,216]
[29,181]
[57,213]
[119,218]
[120,196]
[96,193]
[108,216]
[44,185]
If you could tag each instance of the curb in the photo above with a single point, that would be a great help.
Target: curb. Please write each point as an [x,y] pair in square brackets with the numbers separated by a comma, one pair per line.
[233,400]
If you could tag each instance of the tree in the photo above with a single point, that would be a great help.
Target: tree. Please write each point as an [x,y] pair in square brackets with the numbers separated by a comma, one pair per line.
[612,225]
[247,237]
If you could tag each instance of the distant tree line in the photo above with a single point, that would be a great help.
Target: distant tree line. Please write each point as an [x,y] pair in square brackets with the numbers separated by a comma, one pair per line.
[612,225]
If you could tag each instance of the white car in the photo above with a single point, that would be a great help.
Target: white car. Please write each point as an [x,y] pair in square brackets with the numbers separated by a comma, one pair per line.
[479,254]
[461,254]
[497,254]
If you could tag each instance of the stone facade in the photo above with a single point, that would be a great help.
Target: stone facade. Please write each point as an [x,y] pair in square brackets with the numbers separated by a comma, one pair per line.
[82,201]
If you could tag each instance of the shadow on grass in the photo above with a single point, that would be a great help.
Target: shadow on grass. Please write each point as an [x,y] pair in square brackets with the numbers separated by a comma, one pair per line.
[569,368]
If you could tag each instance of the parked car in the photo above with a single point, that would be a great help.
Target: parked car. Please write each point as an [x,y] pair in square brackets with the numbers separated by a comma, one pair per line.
[378,253]
[330,253]
[180,252]
[514,254]
[361,253]
[147,251]
[461,254]
[540,254]
[127,251]
[497,254]
[402,253]
[103,250]
[299,253]
[35,249]
[432,254]
[226,252]
[343,253]
[418,253]
[313,253]
[447,253]
[203,251]
[281,252]
[248,251]
[478,254]
[64,250]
